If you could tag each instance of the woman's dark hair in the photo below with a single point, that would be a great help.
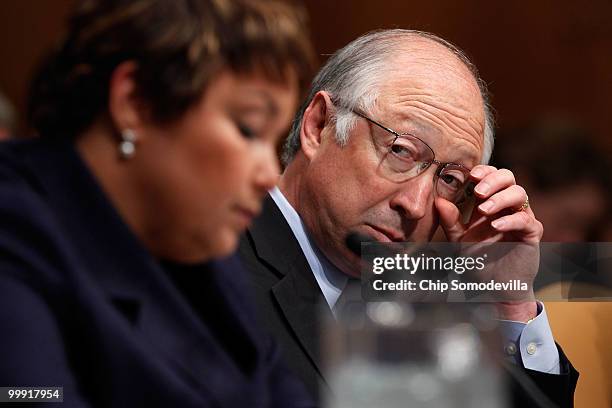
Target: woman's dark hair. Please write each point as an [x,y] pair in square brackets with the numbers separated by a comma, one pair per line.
[177,45]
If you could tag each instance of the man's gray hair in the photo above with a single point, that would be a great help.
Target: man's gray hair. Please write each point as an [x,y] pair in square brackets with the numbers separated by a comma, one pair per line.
[354,74]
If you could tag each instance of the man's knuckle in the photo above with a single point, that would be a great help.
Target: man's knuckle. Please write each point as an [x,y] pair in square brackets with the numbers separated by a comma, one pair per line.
[522,217]
[507,174]
[520,189]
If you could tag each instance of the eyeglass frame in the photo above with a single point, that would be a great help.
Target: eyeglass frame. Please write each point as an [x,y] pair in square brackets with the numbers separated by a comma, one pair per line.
[440,165]
[466,207]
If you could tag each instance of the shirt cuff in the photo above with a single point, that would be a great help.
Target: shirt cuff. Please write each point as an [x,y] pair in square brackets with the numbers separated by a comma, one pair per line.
[531,344]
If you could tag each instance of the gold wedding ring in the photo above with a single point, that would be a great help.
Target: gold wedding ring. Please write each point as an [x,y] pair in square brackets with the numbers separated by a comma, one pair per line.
[524,206]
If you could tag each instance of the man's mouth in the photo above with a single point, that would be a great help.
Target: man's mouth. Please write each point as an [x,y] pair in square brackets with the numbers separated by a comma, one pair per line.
[385,234]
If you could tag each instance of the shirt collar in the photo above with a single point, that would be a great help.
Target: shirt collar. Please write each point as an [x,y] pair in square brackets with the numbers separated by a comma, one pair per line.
[329,278]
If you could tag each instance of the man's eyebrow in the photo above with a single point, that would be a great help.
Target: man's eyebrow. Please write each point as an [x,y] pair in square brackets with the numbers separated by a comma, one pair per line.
[412,125]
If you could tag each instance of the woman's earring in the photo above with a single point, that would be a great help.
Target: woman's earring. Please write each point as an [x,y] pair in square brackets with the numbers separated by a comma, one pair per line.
[127,146]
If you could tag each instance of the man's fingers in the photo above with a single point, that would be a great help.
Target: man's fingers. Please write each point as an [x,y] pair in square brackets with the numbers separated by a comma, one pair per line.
[521,222]
[512,197]
[450,219]
[481,171]
[493,182]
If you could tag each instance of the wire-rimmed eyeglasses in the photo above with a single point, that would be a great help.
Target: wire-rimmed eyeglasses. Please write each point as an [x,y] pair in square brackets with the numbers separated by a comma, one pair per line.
[407,156]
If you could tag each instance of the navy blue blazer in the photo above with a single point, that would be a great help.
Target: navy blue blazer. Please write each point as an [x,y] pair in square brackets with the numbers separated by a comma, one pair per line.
[84,306]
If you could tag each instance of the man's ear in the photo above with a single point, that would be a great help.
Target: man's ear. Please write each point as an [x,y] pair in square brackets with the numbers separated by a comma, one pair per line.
[316,117]
[123,107]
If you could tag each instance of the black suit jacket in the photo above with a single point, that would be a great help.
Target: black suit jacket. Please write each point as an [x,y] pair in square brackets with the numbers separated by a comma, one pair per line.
[292,305]
[84,306]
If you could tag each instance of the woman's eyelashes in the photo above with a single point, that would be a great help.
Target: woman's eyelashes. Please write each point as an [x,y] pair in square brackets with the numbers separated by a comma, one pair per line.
[251,119]
[250,131]
[246,131]
[252,128]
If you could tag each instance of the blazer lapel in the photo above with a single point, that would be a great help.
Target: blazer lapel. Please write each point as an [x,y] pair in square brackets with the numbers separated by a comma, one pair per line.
[297,291]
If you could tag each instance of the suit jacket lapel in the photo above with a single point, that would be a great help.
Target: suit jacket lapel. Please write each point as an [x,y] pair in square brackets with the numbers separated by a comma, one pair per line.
[297,291]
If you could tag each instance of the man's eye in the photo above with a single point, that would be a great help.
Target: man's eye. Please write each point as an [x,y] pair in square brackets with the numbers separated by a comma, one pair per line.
[402,151]
[452,181]
[448,179]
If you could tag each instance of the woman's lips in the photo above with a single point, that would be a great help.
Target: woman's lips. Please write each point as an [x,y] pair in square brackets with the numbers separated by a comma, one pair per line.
[246,215]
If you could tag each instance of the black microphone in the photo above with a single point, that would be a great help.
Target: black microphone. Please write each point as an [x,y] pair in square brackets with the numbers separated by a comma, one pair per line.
[354,240]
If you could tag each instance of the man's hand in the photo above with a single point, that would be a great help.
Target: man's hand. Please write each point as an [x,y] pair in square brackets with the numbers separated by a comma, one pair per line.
[500,218]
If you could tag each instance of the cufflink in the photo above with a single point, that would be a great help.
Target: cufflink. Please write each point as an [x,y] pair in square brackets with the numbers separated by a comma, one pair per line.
[531,348]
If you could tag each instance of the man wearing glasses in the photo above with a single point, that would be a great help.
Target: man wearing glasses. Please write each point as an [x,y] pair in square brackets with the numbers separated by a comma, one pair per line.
[395,130]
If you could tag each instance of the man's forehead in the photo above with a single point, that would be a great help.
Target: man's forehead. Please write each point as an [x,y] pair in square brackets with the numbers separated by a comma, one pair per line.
[415,48]
[418,58]
[435,100]
[461,142]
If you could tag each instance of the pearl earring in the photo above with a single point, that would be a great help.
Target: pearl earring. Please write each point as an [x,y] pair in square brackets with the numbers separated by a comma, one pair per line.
[127,146]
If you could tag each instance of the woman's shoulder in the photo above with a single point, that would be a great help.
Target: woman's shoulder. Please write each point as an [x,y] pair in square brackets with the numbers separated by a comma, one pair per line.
[29,234]
[12,159]
[19,195]
[18,179]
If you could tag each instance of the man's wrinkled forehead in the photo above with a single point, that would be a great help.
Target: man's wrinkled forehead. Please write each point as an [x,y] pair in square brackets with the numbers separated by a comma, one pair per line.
[426,74]
[431,66]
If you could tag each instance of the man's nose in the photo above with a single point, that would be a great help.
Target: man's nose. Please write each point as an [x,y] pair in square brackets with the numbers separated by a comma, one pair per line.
[414,197]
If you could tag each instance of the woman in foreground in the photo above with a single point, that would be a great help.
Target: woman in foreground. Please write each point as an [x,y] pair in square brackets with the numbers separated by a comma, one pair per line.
[157,122]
